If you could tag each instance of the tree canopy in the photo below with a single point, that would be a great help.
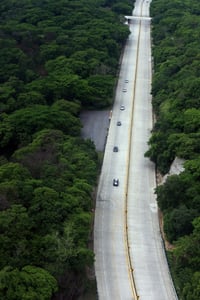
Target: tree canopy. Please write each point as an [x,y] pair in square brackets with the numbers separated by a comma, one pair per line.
[176,133]
[28,283]
[57,58]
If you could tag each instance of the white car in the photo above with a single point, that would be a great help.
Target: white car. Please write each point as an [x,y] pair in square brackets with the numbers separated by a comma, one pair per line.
[122,107]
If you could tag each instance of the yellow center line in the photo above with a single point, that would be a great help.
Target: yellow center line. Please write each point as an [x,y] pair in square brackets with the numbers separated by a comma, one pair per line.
[126,235]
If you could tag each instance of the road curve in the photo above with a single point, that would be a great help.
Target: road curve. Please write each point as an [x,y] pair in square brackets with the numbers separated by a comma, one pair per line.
[129,255]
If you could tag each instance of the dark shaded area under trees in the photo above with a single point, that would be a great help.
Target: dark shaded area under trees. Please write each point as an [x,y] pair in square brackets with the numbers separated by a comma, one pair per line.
[176,102]
[57,58]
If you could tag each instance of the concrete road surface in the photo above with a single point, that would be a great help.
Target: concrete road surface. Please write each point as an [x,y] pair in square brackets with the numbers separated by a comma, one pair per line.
[130,246]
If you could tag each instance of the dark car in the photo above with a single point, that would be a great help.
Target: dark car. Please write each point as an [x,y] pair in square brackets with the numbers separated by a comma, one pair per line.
[115,149]
[115,182]
[119,123]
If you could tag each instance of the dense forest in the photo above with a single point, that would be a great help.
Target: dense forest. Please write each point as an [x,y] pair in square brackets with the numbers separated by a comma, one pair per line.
[57,58]
[176,102]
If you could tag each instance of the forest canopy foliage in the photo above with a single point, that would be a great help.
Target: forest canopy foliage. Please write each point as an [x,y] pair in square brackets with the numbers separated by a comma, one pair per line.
[57,58]
[64,49]
[176,102]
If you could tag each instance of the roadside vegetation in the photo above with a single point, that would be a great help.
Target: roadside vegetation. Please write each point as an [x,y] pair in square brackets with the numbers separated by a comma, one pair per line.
[57,58]
[176,102]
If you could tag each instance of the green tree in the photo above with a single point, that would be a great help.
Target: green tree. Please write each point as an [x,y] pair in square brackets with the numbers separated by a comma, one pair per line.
[19,127]
[172,193]
[192,120]
[29,283]
[191,290]
[178,222]
[186,263]
[29,99]
[16,185]
[102,86]
[54,251]
[187,253]
[14,236]
[46,210]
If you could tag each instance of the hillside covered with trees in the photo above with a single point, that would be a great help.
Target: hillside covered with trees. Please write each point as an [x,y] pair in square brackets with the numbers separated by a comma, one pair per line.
[176,102]
[57,58]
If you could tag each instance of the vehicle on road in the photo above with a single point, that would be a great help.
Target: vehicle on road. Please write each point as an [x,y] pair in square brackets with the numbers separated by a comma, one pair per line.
[124,90]
[122,107]
[126,81]
[115,182]
[119,123]
[115,149]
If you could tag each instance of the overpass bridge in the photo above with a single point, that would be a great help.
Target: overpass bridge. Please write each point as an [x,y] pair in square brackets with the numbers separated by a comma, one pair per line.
[129,18]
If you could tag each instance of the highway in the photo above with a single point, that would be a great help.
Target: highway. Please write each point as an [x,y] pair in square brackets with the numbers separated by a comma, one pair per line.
[130,261]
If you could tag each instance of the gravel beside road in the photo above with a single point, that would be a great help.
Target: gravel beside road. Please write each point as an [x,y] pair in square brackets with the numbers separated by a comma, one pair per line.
[95,127]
